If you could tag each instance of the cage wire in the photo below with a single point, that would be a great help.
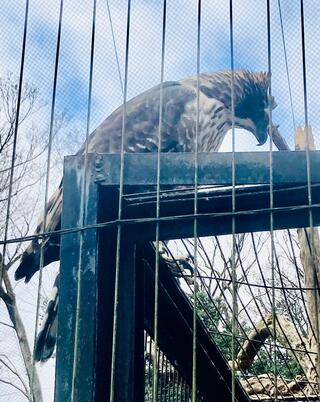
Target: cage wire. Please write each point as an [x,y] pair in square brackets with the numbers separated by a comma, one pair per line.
[66,66]
[172,385]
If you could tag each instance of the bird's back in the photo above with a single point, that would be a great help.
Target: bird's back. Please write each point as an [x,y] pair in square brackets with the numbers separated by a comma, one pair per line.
[140,133]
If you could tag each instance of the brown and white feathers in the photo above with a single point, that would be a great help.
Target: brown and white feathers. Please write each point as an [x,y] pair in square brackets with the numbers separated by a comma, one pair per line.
[178,132]
[251,103]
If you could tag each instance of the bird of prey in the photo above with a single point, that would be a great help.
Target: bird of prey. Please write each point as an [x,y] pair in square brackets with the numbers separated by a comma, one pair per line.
[179,120]
[46,340]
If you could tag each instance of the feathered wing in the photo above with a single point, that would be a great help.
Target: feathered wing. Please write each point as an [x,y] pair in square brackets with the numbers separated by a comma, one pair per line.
[140,136]
[30,260]
[142,122]
[47,337]
[178,130]
[141,133]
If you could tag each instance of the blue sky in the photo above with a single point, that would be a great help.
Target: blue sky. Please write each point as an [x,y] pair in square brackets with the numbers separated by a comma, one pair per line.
[250,32]
[250,41]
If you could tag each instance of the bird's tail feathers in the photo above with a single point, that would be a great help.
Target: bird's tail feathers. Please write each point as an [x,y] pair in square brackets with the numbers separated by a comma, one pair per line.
[30,262]
[47,337]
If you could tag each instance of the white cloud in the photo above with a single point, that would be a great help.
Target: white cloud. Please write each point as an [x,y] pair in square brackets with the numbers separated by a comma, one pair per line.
[250,36]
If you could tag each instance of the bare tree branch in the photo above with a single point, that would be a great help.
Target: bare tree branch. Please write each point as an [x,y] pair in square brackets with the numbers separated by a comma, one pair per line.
[9,299]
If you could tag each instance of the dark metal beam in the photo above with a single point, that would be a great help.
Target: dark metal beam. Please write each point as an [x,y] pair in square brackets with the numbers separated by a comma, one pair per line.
[124,385]
[214,168]
[87,292]
[175,328]
[291,210]
[75,365]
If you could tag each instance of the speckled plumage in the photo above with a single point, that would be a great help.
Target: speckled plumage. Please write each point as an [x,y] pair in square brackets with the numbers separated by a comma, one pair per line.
[179,115]
[178,133]
[47,337]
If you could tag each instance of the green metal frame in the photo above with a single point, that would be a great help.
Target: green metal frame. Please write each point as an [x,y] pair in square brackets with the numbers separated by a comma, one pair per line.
[88,255]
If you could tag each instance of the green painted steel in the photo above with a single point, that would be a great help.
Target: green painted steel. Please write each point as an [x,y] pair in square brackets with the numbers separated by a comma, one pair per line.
[214,168]
[86,296]
[75,367]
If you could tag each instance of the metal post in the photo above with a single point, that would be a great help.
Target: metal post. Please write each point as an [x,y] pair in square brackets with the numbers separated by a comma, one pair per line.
[75,367]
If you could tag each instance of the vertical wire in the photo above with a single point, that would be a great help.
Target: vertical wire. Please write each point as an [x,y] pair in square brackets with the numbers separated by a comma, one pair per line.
[233,167]
[121,182]
[184,391]
[156,276]
[224,322]
[271,202]
[173,383]
[158,369]
[304,68]
[166,379]
[287,65]
[162,376]
[83,204]
[300,286]
[177,386]
[195,222]
[47,181]
[188,393]
[149,365]
[291,315]
[115,46]
[144,363]
[170,382]
[180,388]
[306,122]
[277,321]
[15,137]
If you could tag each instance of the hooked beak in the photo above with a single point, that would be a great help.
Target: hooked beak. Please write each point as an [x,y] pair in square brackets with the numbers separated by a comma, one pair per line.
[263,141]
[262,138]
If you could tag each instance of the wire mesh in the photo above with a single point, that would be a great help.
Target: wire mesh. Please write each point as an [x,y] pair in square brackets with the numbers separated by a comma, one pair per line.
[254,316]
[255,293]
[171,386]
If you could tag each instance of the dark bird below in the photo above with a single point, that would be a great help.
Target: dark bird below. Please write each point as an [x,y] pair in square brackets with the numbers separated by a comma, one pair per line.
[251,103]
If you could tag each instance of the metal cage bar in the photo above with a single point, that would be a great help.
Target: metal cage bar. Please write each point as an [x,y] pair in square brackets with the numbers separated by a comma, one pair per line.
[84,345]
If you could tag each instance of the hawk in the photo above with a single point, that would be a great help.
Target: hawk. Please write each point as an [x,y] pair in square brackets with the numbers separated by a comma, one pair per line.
[179,119]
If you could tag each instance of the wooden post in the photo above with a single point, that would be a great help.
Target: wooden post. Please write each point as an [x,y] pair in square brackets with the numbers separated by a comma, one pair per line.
[310,259]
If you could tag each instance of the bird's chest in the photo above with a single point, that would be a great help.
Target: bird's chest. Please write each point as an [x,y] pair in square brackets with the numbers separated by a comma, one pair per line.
[213,123]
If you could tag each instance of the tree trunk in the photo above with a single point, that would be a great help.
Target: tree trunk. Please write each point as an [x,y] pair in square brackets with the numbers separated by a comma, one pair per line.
[308,347]
[310,259]
[9,299]
[286,334]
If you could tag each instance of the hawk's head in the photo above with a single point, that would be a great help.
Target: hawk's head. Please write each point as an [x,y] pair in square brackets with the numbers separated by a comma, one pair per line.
[252,103]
